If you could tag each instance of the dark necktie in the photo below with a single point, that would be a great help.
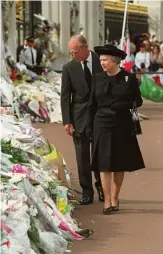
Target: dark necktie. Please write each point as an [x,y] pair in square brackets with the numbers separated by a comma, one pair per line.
[88,75]
[32,57]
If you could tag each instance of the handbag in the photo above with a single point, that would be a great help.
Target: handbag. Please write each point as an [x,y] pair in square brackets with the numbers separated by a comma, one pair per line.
[136,122]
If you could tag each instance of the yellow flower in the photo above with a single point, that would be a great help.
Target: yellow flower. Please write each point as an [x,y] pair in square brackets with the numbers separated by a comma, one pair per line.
[61,204]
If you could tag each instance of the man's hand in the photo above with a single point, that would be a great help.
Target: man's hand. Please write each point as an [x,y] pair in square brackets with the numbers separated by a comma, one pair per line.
[69,129]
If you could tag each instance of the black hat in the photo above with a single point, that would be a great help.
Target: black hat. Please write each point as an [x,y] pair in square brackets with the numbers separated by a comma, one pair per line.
[29,39]
[109,49]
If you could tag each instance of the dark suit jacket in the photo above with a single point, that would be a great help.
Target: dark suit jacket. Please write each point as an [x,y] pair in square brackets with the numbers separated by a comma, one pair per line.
[75,93]
[39,55]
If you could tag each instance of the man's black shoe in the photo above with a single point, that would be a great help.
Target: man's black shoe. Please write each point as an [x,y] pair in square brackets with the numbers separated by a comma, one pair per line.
[86,201]
[99,191]
[100,194]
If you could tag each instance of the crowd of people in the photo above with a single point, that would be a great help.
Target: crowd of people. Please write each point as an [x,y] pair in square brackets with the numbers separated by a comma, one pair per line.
[147,53]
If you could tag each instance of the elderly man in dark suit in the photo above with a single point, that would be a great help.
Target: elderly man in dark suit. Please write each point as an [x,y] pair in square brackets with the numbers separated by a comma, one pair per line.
[75,94]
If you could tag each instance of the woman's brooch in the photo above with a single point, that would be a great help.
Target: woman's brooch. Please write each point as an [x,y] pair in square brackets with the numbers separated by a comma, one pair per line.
[126,78]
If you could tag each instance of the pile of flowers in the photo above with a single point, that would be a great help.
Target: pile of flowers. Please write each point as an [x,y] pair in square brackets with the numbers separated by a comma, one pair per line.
[37,201]
[37,95]
[41,98]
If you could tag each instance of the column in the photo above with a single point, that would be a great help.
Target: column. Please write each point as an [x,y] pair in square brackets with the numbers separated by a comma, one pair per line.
[161,21]
[74,17]
[54,9]
[46,12]
[157,27]
[12,30]
[83,17]
[50,10]
[64,26]
[3,69]
[101,23]
[93,23]
[4,74]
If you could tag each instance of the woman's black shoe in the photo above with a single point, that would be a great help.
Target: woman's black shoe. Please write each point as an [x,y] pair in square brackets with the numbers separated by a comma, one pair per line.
[107,211]
[115,208]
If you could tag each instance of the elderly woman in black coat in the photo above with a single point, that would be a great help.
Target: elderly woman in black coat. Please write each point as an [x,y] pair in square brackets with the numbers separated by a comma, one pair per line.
[110,125]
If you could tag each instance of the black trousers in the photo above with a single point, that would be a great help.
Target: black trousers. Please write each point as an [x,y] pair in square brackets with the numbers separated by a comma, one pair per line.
[37,69]
[83,156]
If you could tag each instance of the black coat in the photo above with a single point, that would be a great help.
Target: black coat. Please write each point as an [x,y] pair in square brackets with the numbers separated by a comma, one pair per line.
[75,93]
[115,146]
[111,99]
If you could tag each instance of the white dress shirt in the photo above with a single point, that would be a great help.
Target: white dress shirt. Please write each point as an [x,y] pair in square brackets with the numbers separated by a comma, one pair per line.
[26,56]
[89,62]
[142,58]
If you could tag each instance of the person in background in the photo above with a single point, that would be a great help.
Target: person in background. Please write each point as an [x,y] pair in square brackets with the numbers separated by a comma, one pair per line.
[161,52]
[28,55]
[115,146]
[19,49]
[29,58]
[147,45]
[132,55]
[137,39]
[147,36]
[142,58]
[156,60]
[39,50]
[132,50]
[75,94]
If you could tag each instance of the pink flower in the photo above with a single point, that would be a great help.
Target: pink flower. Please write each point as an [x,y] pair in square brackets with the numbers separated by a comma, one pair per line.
[19,169]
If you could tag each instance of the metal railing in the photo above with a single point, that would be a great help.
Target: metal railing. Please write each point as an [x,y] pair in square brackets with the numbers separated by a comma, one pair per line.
[149,72]
[146,72]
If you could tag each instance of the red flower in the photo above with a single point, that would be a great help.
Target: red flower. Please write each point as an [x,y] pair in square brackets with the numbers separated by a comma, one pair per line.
[157,80]
[128,65]
[13,75]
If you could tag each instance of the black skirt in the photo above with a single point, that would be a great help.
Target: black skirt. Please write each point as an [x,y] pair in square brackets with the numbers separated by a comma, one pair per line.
[116,150]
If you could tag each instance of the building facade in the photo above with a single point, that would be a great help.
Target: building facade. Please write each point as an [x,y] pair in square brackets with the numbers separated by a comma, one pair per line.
[137,19]
[74,16]
[98,21]
[155,17]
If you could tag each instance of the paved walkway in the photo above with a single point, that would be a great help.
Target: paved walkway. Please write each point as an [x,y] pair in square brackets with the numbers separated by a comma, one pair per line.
[138,227]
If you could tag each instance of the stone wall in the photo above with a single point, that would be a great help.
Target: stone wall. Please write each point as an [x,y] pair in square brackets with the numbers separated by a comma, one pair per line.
[155,12]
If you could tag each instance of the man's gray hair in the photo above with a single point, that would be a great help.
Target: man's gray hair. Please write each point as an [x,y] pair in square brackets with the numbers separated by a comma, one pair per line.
[80,39]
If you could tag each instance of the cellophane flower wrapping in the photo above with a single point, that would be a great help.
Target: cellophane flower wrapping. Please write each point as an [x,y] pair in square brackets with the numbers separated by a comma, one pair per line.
[36,212]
